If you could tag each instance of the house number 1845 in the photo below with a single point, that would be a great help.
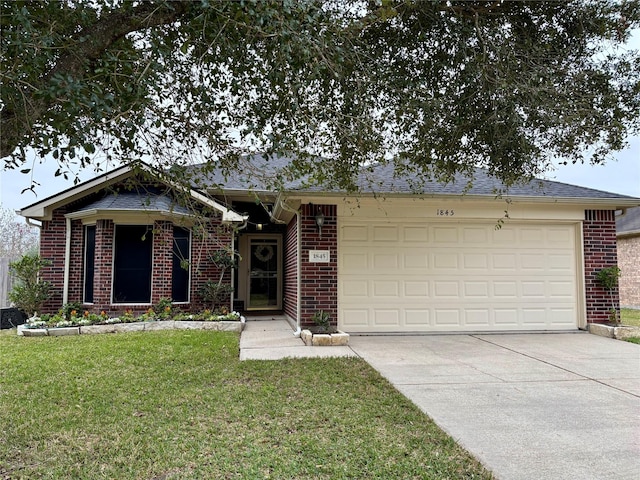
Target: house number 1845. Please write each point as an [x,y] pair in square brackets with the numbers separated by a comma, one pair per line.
[444,213]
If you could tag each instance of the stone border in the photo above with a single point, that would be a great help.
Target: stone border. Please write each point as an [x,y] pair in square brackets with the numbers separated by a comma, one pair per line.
[222,326]
[622,332]
[324,339]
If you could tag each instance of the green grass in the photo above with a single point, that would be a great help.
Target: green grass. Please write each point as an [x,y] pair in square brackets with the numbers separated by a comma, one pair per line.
[179,405]
[630,316]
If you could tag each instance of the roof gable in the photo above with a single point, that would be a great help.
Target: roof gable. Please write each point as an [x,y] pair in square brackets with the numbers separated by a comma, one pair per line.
[43,209]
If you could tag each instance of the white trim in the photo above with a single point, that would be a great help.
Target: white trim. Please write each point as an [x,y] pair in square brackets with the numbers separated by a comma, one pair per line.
[299,269]
[233,273]
[43,209]
[580,280]
[67,261]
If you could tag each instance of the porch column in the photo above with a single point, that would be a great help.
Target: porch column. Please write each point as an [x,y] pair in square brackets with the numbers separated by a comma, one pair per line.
[318,279]
[599,239]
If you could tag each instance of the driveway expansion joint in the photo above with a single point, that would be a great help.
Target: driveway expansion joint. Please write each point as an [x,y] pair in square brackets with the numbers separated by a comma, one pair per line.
[532,357]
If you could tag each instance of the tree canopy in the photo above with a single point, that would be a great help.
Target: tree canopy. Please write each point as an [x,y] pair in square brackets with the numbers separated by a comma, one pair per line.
[436,87]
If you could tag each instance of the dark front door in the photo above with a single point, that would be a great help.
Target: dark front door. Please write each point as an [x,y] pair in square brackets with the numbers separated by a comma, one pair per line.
[264,289]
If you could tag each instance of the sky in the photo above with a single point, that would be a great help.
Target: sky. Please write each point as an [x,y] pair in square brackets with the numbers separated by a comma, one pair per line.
[621,176]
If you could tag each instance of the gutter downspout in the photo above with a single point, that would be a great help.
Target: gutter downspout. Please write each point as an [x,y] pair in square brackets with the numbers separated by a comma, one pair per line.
[67,262]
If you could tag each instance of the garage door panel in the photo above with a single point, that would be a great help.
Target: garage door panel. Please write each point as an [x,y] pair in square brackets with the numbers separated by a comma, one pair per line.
[386,288]
[477,316]
[476,289]
[445,235]
[475,261]
[416,288]
[412,234]
[382,234]
[386,317]
[444,277]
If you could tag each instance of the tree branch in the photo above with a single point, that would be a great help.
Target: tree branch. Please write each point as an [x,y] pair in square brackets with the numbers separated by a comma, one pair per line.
[87,45]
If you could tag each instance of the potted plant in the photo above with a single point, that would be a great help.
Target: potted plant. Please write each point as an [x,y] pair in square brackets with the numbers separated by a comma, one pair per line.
[323,333]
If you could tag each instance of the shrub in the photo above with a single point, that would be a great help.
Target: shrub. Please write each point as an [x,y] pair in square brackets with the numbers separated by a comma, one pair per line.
[30,292]
[608,279]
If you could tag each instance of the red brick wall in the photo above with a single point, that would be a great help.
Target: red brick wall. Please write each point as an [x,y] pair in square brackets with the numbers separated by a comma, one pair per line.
[629,263]
[599,238]
[162,260]
[291,269]
[212,236]
[103,264]
[319,281]
[53,244]
[76,269]
[52,248]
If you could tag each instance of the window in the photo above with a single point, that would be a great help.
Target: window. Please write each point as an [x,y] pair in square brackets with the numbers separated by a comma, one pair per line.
[89,261]
[180,274]
[132,264]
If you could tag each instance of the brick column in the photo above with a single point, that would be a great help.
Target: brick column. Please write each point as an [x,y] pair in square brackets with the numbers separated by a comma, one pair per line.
[76,266]
[162,261]
[599,242]
[103,262]
[319,281]
[52,248]
[212,235]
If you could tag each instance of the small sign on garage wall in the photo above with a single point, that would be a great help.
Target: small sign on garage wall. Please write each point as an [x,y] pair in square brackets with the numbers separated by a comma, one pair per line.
[319,256]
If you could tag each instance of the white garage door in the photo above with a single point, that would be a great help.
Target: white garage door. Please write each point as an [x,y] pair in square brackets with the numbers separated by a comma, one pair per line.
[404,276]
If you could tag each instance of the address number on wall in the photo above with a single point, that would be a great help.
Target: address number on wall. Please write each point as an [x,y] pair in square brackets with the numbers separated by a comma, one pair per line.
[441,212]
[319,256]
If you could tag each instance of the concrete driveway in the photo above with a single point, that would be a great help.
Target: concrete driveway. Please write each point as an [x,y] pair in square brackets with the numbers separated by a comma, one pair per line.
[529,406]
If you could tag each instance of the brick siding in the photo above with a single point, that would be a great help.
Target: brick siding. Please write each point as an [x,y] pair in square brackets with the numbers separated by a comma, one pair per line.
[599,241]
[290,301]
[53,244]
[52,248]
[319,284]
[629,263]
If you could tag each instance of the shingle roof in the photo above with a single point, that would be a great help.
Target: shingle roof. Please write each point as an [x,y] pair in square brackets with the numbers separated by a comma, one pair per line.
[629,222]
[381,179]
[134,201]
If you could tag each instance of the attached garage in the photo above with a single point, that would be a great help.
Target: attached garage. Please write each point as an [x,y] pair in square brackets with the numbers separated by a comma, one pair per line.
[454,274]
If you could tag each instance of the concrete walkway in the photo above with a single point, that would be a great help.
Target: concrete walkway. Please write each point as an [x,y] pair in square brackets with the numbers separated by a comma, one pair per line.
[529,406]
[272,338]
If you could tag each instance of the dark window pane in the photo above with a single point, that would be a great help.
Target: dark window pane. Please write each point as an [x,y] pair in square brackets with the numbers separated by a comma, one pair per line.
[89,261]
[132,264]
[180,275]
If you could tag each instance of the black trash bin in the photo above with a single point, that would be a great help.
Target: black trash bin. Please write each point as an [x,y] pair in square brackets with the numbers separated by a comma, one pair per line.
[11,318]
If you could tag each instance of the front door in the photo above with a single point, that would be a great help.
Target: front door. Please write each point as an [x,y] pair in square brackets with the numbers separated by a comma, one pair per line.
[264,288]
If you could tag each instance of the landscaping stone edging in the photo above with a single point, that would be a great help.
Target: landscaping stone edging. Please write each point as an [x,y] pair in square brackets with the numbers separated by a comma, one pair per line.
[324,339]
[620,333]
[222,326]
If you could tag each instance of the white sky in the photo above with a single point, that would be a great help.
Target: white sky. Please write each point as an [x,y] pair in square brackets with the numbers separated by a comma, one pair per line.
[621,176]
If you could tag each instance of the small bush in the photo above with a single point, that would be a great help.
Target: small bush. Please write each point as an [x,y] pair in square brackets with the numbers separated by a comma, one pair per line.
[30,292]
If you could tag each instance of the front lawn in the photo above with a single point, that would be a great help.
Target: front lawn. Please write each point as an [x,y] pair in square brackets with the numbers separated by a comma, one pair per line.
[179,404]
[630,316]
